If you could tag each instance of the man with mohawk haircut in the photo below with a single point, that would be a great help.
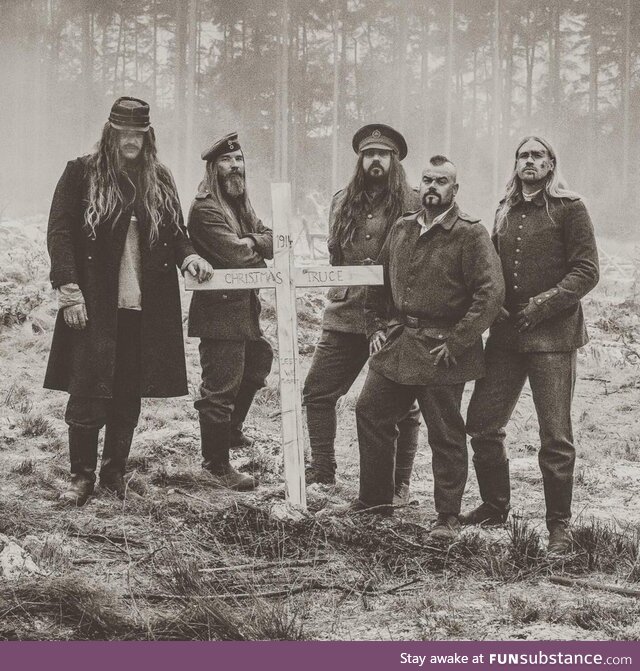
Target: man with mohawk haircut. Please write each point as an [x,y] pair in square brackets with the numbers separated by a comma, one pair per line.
[115,236]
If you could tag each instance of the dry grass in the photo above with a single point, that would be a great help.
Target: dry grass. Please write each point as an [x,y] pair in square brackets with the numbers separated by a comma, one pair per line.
[183,560]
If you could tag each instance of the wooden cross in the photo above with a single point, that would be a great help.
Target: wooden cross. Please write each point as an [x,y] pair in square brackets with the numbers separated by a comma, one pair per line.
[285,277]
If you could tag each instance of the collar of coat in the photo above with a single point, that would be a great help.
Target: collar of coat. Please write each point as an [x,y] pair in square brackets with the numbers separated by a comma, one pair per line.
[538,199]
[448,221]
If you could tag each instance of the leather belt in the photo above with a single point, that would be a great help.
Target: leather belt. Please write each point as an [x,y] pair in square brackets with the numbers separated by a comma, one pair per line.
[432,329]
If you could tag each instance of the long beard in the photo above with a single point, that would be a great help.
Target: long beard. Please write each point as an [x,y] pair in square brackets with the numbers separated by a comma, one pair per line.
[233,185]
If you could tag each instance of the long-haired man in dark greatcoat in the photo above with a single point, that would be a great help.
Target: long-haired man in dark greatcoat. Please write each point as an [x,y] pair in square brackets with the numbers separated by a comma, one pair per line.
[115,236]
[360,217]
[546,243]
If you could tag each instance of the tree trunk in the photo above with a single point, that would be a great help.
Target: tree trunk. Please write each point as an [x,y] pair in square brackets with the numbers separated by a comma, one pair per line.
[401,64]
[180,86]
[154,54]
[87,73]
[594,66]
[284,92]
[448,96]
[508,80]
[626,101]
[336,101]
[191,102]
[496,97]
[117,60]
[424,78]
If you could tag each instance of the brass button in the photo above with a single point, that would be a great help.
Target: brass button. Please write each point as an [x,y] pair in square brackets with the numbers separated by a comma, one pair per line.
[515,263]
[89,257]
[517,251]
[440,336]
[515,286]
[367,236]
[166,265]
[369,216]
[524,215]
[520,226]
[518,239]
[225,296]
[164,244]
[515,274]
[538,300]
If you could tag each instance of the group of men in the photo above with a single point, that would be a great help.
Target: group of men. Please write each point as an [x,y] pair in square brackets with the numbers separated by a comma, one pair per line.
[116,233]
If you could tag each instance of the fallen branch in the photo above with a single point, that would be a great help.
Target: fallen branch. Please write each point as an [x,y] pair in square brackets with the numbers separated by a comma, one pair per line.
[592,584]
[275,564]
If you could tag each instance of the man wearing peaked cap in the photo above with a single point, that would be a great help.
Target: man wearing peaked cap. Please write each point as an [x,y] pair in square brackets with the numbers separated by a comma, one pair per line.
[234,355]
[379,136]
[115,237]
[359,219]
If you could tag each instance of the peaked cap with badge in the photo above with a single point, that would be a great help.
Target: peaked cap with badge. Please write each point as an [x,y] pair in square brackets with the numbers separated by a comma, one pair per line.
[379,136]
[224,145]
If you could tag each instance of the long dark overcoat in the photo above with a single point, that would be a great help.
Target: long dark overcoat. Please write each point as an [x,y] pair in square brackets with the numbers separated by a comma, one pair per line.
[82,362]
[226,314]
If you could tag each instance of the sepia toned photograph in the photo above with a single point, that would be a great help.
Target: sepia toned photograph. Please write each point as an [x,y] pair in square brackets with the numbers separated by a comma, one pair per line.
[320,321]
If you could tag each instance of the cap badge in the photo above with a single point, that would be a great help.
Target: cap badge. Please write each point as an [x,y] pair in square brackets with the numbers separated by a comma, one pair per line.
[376,133]
[230,143]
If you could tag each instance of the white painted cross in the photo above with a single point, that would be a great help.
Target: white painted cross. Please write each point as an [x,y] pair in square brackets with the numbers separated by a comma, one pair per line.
[285,278]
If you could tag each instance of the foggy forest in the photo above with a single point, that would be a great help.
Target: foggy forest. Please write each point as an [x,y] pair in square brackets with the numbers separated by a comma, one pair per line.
[466,78]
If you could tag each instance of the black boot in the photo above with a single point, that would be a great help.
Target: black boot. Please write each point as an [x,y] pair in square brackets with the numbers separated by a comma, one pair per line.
[117,443]
[495,490]
[83,454]
[406,448]
[215,456]
[558,494]
[321,423]
[240,410]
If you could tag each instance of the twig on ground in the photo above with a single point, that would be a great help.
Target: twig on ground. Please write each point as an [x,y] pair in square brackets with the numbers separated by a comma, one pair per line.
[592,584]
[275,564]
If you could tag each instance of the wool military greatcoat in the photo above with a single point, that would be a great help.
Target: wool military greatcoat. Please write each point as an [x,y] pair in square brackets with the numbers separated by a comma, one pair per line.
[82,362]
[226,314]
[345,308]
[549,258]
[447,279]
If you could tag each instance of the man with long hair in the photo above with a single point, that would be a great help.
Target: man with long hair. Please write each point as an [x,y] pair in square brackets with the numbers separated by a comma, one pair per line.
[444,286]
[359,220]
[115,236]
[234,354]
[545,240]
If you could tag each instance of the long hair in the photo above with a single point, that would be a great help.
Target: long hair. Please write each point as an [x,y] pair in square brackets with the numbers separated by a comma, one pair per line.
[243,213]
[396,196]
[555,185]
[157,190]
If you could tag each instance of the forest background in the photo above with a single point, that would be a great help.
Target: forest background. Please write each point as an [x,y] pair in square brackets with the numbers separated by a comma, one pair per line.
[462,77]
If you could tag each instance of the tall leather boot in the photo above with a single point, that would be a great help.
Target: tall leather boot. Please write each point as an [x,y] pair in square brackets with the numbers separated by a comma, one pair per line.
[495,490]
[214,439]
[241,407]
[406,449]
[117,443]
[83,455]
[558,493]
[322,424]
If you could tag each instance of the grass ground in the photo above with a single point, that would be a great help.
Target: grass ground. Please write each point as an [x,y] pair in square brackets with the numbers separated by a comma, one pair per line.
[179,559]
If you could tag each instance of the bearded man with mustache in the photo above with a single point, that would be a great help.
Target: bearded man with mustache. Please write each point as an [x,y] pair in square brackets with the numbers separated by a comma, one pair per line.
[115,237]
[234,354]
[444,283]
[359,220]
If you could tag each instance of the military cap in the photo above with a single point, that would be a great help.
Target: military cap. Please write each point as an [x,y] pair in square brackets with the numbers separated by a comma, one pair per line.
[130,114]
[379,136]
[224,145]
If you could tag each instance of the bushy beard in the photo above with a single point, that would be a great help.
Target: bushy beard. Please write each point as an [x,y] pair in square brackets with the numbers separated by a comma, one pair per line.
[233,185]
